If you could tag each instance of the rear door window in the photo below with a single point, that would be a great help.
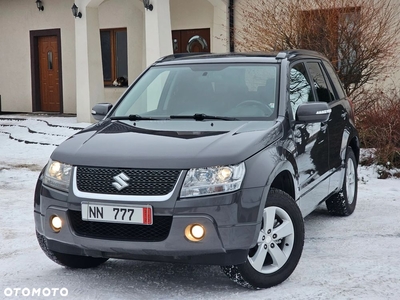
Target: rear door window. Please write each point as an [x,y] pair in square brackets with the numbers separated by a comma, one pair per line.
[340,92]
[323,90]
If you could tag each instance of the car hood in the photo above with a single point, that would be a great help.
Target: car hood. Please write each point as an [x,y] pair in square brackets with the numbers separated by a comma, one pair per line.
[170,144]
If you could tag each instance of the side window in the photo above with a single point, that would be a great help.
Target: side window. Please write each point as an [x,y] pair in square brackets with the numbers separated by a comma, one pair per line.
[300,88]
[323,91]
[335,81]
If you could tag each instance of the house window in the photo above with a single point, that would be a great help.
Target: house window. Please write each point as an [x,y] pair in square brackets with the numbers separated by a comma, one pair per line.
[114,53]
[332,31]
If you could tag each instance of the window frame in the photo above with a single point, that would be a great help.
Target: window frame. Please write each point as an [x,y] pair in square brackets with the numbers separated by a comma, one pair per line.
[113,50]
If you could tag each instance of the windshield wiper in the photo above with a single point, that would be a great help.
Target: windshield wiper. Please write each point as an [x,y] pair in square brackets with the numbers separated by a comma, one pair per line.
[202,117]
[135,118]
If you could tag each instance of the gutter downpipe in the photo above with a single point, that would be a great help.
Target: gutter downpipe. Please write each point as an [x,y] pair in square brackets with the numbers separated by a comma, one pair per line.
[231,27]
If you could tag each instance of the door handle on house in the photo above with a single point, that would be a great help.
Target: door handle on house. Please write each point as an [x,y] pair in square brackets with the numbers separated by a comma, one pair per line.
[175,44]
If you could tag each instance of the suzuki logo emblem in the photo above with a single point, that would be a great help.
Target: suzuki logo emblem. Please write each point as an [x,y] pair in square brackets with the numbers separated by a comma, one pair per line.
[120,181]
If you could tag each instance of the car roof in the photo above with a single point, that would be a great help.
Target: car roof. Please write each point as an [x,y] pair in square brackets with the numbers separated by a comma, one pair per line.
[237,57]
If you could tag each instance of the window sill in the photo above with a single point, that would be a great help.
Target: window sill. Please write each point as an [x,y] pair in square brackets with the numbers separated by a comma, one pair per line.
[115,87]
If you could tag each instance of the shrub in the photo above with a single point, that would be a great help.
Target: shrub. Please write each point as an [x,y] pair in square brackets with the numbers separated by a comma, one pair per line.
[379,125]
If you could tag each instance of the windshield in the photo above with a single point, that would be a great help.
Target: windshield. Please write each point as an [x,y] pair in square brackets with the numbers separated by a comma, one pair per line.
[237,91]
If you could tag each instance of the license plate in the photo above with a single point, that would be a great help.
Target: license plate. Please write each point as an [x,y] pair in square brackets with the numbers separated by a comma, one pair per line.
[128,214]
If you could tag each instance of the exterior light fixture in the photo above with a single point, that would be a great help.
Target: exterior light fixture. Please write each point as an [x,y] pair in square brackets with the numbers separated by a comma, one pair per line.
[147,5]
[195,232]
[75,11]
[39,5]
[56,223]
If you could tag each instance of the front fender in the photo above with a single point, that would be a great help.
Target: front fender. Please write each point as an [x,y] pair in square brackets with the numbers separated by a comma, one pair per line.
[265,166]
[38,189]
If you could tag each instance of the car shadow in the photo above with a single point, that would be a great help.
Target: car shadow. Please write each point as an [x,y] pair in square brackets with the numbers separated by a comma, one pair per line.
[154,279]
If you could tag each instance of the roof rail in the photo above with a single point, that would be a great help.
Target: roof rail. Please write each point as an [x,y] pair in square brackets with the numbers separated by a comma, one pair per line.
[281,55]
[180,55]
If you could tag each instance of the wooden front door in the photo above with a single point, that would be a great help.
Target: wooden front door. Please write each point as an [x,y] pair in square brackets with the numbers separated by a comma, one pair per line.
[49,74]
[197,40]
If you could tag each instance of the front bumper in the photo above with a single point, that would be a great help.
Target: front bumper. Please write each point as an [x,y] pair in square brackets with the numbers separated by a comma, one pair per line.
[230,221]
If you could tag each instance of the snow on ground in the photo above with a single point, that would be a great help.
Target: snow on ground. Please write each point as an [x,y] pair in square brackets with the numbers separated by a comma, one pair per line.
[356,257]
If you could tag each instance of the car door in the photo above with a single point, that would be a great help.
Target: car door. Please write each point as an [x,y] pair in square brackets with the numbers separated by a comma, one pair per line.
[311,143]
[339,118]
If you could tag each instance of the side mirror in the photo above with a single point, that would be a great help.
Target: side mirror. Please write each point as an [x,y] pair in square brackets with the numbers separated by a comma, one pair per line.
[100,110]
[313,112]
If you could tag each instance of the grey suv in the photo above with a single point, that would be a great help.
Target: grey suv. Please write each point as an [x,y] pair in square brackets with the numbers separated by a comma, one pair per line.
[205,159]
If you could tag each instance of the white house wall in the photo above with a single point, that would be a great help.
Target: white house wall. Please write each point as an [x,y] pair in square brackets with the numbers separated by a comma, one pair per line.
[185,14]
[158,37]
[189,14]
[195,14]
[220,28]
[89,78]
[17,19]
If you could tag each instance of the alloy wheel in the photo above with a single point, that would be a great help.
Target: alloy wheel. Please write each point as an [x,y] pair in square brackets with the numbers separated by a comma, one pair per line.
[350,181]
[275,241]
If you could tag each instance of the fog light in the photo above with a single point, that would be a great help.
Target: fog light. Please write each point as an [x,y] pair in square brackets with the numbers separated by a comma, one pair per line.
[195,232]
[56,223]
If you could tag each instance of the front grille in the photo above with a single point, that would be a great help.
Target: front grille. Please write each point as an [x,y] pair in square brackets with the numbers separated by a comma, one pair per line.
[142,182]
[157,232]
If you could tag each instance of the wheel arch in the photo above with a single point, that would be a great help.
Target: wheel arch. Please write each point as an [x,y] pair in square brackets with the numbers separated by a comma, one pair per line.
[284,182]
[282,178]
[354,144]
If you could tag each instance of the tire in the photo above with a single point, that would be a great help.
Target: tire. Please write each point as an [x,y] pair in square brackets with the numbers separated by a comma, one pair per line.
[68,260]
[279,245]
[344,202]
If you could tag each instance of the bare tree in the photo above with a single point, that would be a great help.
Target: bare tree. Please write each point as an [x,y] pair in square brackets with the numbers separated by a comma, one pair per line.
[360,37]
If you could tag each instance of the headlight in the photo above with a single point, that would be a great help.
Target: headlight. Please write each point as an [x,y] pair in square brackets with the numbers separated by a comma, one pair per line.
[212,180]
[57,175]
